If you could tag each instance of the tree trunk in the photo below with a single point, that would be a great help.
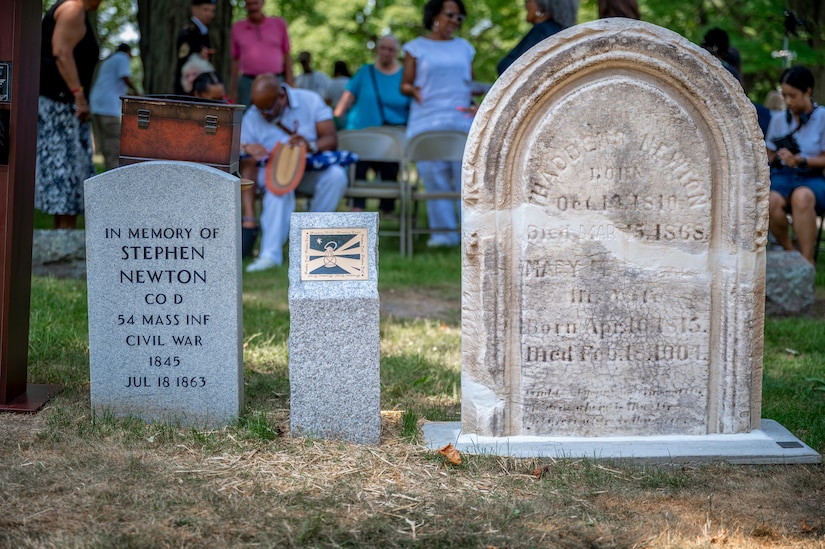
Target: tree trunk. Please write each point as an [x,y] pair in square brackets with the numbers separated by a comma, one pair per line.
[159,22]
[813,13]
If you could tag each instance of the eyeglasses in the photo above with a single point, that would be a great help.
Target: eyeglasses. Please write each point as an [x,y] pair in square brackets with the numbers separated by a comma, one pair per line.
[453,16]
[277,106]
[270,111]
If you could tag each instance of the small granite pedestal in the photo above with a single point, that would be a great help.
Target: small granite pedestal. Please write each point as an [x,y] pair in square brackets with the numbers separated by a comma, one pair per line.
[334,375]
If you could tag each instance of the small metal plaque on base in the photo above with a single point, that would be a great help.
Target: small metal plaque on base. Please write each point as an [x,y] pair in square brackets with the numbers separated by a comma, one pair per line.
[334,254]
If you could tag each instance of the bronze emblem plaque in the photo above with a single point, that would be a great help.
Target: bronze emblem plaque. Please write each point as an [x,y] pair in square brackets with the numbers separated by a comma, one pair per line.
[334,254]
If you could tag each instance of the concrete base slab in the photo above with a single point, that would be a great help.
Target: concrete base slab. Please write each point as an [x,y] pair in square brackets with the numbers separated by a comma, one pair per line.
[770,444]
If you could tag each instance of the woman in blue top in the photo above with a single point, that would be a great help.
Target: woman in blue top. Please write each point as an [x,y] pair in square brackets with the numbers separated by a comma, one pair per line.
[373,98]
[796,149]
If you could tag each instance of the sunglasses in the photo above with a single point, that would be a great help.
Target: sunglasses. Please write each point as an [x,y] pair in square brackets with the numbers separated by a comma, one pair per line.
[453,16]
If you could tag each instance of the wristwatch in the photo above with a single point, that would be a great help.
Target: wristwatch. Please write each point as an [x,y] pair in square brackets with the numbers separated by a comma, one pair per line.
[803,162]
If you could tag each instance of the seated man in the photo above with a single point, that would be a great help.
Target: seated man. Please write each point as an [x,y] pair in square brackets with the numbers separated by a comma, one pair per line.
[281,114]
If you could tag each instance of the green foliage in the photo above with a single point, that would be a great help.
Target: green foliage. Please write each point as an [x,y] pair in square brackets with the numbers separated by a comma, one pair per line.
[756,29]
[259,427]
[792,386]
[409,426]
[111,18]
[495,26]
[347,29]
[58,343]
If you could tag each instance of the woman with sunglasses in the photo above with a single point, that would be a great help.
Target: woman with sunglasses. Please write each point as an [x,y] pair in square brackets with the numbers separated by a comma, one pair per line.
[547,17]
[438,75]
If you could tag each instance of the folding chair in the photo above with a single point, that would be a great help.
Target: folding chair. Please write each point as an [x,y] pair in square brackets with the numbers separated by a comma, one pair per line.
[429,146]
[377,146]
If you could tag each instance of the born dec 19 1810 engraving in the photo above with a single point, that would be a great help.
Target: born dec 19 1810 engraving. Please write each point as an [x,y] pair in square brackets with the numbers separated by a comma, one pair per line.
[622,215]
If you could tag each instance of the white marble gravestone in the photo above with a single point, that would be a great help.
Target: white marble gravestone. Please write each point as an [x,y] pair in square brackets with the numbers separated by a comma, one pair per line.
[334,327]
[615,222]
[164,284]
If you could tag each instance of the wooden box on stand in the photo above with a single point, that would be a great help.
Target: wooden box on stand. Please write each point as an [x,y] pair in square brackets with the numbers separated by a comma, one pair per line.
[174,127]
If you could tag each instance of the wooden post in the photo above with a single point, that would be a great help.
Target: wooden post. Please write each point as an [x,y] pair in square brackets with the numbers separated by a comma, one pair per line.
[19,67]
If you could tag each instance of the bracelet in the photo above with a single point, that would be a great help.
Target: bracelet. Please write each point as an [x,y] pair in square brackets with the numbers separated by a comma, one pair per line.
[76,90]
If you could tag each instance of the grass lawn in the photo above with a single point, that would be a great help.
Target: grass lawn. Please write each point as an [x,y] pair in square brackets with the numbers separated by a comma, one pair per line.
[70,479]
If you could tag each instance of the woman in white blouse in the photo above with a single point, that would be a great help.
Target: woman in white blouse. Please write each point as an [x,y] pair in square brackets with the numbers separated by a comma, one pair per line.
[438,75]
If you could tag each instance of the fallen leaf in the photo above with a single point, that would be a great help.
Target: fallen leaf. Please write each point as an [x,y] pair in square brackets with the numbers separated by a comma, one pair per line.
[538,473]
[451,454]
[720,538]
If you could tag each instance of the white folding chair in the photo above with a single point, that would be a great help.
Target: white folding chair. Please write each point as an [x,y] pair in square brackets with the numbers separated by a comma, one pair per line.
[429,146]
[377,146]
[399,132]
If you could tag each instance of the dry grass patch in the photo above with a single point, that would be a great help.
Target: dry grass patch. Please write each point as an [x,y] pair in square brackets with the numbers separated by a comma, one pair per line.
[69,480]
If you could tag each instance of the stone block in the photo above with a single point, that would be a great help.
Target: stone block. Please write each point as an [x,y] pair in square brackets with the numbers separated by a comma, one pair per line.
[60,252]
[789,283]
[334,344]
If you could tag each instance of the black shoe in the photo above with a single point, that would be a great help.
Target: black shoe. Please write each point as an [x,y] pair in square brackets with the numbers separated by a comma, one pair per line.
[249,235]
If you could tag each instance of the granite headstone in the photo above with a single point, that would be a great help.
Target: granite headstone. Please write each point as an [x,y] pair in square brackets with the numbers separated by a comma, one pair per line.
[334,347]
[164,290]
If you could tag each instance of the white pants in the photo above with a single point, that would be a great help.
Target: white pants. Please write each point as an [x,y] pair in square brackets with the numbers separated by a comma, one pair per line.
[441,214]
[326,187]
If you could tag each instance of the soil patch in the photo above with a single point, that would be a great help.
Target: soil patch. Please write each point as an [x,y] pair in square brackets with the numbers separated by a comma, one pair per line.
[414,304]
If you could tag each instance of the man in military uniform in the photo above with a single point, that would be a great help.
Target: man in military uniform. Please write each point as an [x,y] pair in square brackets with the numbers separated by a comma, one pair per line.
[193,38]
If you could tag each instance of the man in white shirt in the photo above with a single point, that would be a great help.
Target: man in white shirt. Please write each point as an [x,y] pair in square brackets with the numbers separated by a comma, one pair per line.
[114,78]
[282,114]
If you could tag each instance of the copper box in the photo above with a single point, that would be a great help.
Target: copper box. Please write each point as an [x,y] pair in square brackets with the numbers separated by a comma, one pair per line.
[174,127]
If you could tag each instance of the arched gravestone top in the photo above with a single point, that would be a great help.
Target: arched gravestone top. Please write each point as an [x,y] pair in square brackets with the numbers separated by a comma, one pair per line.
[615,222]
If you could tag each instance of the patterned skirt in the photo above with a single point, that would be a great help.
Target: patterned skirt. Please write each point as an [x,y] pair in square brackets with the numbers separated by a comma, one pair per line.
[64,158]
